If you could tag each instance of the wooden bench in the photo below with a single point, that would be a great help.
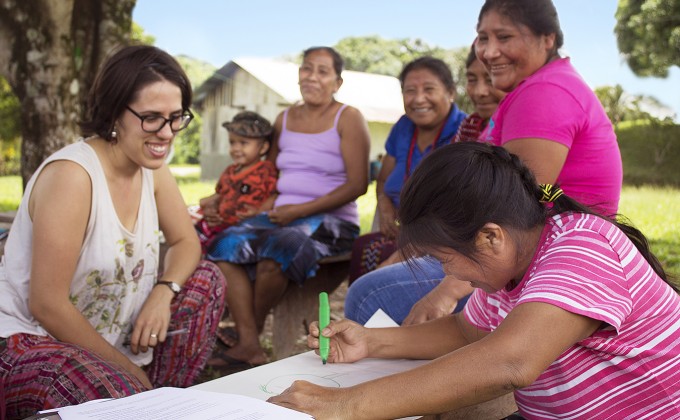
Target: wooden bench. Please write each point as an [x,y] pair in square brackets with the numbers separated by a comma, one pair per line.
[300,305]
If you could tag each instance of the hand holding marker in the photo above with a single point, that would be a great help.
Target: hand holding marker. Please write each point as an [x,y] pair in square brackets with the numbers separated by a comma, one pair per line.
[324,320]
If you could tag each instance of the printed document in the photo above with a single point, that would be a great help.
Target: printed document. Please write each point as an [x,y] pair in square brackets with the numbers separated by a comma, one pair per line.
[181,404]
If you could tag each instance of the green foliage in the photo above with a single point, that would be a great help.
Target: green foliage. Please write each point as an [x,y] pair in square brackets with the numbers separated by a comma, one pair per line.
[623,107]
[10,130]
[10,192]
[656,212]
[650,151]
[10,157]
[373,54]
[10,112]
[137,34]
[648,35]
[187,144]
[197,71]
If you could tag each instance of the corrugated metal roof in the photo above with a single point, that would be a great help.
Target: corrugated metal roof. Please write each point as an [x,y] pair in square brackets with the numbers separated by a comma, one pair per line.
[378,97]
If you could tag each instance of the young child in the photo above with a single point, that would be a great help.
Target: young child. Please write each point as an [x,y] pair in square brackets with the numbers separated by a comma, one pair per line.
[245,187]
[571,310]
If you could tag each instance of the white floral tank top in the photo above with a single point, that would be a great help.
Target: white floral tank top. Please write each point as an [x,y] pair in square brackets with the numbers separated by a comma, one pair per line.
[116,268]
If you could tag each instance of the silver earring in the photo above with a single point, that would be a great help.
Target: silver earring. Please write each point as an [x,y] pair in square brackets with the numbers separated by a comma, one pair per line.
[114,134]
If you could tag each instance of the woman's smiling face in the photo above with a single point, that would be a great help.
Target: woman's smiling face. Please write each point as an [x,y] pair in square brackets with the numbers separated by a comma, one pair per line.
[510,52]
[317,78]
[427,101]
[149,150]
[479,88]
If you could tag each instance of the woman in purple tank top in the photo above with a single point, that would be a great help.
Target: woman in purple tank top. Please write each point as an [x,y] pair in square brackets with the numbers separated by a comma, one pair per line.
[321,149]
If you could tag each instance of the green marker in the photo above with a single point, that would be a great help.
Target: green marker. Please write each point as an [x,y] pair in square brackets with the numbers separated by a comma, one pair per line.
[324,320]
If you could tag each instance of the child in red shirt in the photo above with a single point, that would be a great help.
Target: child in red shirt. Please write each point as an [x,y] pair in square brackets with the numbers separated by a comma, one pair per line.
[246,185]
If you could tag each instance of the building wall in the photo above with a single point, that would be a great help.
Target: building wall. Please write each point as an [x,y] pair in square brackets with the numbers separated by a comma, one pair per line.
[379,132]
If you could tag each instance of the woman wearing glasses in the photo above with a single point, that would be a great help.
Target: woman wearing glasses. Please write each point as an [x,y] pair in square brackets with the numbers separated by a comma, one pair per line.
[83,311]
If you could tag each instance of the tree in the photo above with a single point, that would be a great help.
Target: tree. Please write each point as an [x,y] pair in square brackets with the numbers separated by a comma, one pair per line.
[372,54]
[9,113]
[137,34]
[621,106]
[10,130]
[612,100]
[187,144]
[49,54]
[648,35]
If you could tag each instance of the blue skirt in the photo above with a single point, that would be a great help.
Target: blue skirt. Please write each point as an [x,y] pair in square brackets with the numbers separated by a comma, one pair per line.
[297,246]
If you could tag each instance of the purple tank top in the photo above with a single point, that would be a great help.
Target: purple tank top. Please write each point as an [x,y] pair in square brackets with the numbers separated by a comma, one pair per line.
[311,166]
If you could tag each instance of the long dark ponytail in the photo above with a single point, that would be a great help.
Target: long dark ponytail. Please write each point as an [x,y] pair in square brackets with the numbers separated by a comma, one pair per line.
[460,187]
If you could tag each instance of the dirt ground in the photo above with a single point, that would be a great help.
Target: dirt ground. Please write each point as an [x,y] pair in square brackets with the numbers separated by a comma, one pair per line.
[337,300]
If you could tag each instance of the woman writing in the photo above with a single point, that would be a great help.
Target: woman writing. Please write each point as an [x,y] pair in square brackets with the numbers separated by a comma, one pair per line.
[431,120]
[83,312]
[571,310]
[321,150]
[394,288]
[550,118]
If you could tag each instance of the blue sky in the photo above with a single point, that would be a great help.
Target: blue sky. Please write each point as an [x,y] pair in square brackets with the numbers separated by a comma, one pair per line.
[218,31]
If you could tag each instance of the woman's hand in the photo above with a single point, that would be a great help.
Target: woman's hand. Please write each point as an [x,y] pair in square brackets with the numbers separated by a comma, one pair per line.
[210,209]
[211,215]
[321,402]
[151,325]
[247,211]
[431,306]
[348,341]
[283,215]
[439,302]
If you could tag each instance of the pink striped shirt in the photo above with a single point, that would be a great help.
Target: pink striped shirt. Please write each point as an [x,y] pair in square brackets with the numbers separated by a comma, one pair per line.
[630,367]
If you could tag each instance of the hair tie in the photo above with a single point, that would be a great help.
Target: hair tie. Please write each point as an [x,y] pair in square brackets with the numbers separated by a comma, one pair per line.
[550,193]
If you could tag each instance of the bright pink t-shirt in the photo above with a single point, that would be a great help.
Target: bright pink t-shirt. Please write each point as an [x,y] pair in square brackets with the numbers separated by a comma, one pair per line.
[630,367]
[556,104]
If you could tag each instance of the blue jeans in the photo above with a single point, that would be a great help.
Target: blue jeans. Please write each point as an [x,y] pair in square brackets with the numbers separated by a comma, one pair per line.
[394,289]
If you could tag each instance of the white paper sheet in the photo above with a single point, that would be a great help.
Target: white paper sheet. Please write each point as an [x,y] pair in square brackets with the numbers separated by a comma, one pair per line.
[181,404]
[380,320]
[271,379]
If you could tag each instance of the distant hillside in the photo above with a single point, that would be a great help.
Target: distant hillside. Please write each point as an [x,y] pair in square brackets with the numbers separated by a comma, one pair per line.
[197,71]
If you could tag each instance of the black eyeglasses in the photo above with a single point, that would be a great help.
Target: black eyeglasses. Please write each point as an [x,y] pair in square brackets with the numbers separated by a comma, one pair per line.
[155,123]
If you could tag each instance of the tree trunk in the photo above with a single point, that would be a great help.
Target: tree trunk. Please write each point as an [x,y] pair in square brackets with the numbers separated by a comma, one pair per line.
[49,54]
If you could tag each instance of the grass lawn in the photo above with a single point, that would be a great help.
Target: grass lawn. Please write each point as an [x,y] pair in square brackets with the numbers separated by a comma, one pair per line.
[653,210]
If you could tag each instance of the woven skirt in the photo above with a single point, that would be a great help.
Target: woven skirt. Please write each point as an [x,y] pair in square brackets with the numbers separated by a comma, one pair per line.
[297,246]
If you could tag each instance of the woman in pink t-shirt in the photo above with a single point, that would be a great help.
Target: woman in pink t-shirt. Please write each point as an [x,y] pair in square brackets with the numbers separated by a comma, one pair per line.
[571,310]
